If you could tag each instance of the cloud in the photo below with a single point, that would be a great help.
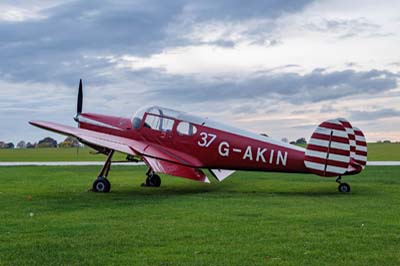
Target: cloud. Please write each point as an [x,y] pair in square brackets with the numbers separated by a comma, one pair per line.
[239,10]
[316,86]
[346,28]
[374,114]
[63,44]
[328,108]
[294,61]
[66,38]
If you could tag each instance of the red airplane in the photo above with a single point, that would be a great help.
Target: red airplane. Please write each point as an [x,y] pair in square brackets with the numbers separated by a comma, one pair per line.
[180,144]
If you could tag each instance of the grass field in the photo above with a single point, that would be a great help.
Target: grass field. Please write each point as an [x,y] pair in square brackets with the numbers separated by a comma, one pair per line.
[53,155]
[376,152]
[384,151]
[48,218]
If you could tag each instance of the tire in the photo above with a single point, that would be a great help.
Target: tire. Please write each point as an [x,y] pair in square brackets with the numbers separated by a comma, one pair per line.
[153,180]
[344,188]
[101,185]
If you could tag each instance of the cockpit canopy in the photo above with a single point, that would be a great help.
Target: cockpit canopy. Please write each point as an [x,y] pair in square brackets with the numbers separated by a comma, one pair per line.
[162,119]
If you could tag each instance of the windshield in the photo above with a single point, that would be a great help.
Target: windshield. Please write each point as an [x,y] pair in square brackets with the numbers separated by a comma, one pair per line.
[163,112]
[137,117]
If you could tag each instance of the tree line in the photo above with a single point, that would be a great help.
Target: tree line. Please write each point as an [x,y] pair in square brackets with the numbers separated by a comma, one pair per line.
[47,142]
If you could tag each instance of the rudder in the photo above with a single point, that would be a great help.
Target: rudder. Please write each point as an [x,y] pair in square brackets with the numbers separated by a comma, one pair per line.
[336,148]
[328,151]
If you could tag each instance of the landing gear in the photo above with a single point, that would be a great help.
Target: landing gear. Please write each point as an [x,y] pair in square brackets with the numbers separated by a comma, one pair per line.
[101,184]
[343,187]
[152,180]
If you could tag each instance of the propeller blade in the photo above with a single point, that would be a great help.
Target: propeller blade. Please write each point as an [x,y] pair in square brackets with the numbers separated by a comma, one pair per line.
[80,98]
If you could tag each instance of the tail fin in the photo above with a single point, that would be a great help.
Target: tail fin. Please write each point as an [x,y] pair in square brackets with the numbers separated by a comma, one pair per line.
[333,149]
[361,147]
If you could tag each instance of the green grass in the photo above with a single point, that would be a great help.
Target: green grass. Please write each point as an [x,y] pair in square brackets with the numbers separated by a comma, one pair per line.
[249,219]
[376,152]
[384,151]
[53,155]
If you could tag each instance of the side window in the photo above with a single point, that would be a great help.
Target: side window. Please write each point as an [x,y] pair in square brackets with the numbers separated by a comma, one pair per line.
[167,124]
[185,128]
[158,123]
[152,122]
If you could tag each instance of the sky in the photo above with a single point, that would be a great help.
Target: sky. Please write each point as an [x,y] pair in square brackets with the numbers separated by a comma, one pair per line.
[271,66]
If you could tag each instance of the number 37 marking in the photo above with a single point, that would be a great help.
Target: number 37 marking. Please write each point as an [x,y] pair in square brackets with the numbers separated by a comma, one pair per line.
[206,139]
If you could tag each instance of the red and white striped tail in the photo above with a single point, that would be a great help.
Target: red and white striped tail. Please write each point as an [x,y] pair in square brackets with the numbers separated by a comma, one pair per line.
[332,149]
[351,135]
[361,148]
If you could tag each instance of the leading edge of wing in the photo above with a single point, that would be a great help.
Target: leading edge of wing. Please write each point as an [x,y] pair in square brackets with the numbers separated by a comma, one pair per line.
[112,142]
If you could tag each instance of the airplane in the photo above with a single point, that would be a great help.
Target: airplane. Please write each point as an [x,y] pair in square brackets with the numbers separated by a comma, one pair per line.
[180,144]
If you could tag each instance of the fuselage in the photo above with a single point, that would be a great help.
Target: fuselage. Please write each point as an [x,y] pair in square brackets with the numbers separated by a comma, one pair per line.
[212,145]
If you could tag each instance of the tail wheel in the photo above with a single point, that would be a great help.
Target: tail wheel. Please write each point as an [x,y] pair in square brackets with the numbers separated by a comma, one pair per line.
[101,185]
[344,188]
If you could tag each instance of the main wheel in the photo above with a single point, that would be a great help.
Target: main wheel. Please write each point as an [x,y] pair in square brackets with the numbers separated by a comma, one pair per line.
[101,185]
[344,188]
[153,180]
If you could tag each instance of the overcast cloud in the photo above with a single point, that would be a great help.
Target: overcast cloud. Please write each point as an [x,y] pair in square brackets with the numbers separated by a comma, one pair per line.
[279,67]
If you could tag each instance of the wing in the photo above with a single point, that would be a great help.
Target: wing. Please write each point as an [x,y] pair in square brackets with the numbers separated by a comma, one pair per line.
[159,158]
[169,168]
[112,142]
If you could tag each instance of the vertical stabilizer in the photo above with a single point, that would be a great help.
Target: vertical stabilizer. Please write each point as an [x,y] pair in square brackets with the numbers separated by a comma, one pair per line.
[336,148]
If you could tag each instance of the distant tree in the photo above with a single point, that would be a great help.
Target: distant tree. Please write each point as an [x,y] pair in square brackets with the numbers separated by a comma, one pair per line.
[2,145]
[47,143]
[264,134]
[387,141]
[21,145]
[69,142]
[285,140]
[30,145]
[301,141]
[292,142]
[10,145]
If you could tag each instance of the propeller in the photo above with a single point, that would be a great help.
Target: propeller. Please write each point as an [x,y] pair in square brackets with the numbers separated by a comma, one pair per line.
[80,102]
[80,98]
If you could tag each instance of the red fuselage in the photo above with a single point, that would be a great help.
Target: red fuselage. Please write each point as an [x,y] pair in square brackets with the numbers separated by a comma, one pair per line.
[211,147]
